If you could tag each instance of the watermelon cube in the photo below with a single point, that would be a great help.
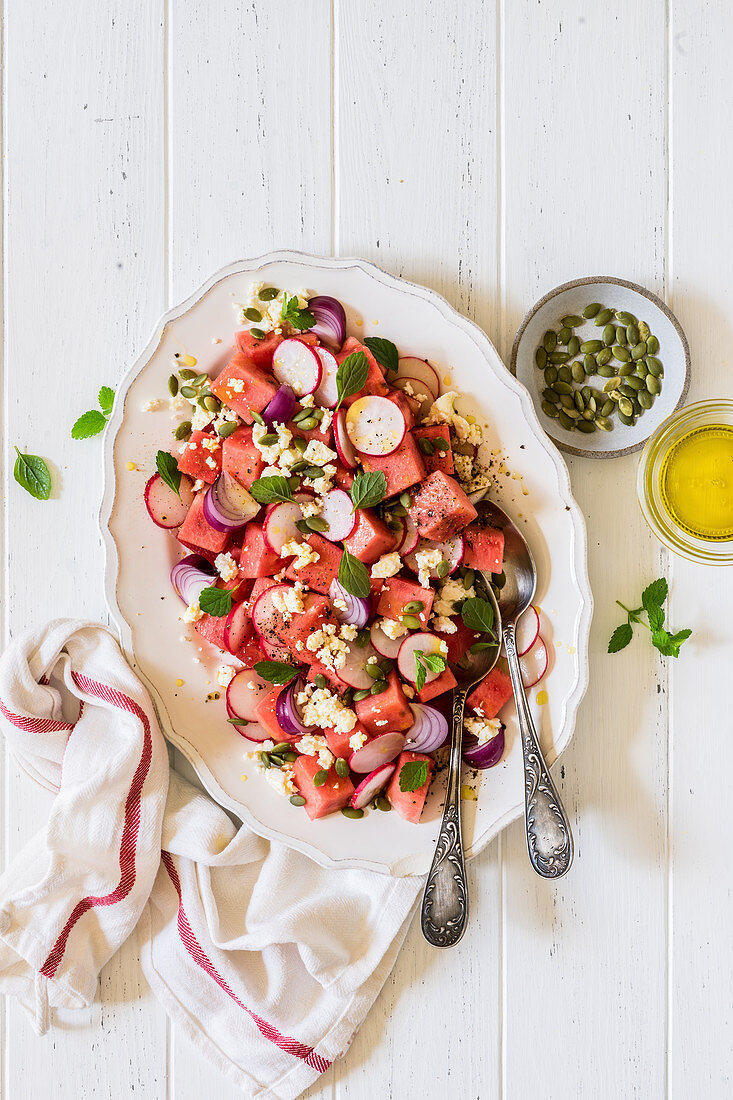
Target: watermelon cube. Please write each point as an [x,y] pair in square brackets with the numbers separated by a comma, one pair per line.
[318,575]
[316,612]
[338,743]
[256,559]
[240,457]
[315,668]
[388,712]
[459,642]
[197,533]
[212,628]
[343,478]
[446,681]
[332,795]
[370,538]
[202,457]
[375,384]
[483,545]
[407,406]
[260,585]
[409,804]
[440,508]
[259,351]
[397,592]
[403,468]
[244,387]
[439,459]
[325,437]
[265,714]
[491,694]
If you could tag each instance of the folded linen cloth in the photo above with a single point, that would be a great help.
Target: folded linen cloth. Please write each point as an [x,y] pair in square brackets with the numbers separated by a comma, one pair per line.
[268,962]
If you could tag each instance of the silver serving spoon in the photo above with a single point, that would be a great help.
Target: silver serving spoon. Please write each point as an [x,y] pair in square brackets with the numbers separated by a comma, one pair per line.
[444,913]
[549,839]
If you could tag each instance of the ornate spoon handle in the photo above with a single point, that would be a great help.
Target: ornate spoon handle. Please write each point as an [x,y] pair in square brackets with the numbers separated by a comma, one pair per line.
[445,902]
[549,839]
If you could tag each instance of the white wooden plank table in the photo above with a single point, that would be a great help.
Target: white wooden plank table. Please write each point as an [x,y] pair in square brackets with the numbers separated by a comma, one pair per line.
[491,151]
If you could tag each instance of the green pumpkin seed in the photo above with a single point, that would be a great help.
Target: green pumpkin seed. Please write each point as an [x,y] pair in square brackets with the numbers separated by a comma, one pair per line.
[320,680]
[309,424]
[562,387]
[627,318]
[591,404]
[353,814]
[586,426]
[315,523]
[603,317]
[588,414]
[426,445]
[626,369]
[300,444]
[253,314]
[363,693]
[573,346]
[185,373]
[211,404]
[635,383]
[636,406]
[632,335]
[225,430]
[642,369]
[579,402]
[590,365]
[550,410]
[320,777]
[313,472]
[621,353]
[645,399]
[604,423]
[572,320]
[607,408]
[558,357]
[566,401]
[604,357]
[379,687]
[550,375]
[587,393]
[382,803]
[264,760]
[591,346]
[258,333]
[615,395]
[655,367]
[549,340]
[567,423]
[297,800]
[625,406]
[317,414]
[591,310]
[607,372]
[375,672]
[625,419]
[573,413]
[627,391]
[200,379]
[540,358]
[639,350]
[342,768]
[183,431]
[610,385]
[302,414]
[440,445]
[173,385]
[620,335]
[653,384]
[652,345]
[290,757]
[411,622]
[564,335]
[281,747]
[268,439]
[413,607]
[189,392]
[565,374]
[643,330]
[257,417]
[577,372]
[469,576]
[609,335]
[268,294]
[398,510]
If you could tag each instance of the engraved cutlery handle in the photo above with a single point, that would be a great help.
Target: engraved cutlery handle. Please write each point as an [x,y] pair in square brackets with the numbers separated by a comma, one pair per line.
[549,838]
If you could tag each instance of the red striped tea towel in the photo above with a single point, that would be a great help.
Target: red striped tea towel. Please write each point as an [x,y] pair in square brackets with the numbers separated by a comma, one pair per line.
[268,962]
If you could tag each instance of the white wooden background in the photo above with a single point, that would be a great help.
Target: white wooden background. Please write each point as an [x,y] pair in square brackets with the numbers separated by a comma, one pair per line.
[490,150]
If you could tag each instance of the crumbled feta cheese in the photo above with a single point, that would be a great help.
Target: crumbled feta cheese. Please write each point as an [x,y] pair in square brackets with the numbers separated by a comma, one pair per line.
[210,462]
[443,647]
[388,565]
[193,613]
[463,465]
[178,404]
[303,553]
[281,780]
[287,459]
[326,420]
[313,508]
[271,471]
[308,401]
[316,745]
[210,444]
[443,411]
[322,485]
[288,601]
[318,453]
[450,592]
[348,632]
[226,567]
[322,708]
[484,729]
[356,741]
[339,604]
[393,628]
[236,385]
[201,418]
[225,674]
[198,485]
[150,406]
[427,560]
[271,451]
[330,649]
[444,625]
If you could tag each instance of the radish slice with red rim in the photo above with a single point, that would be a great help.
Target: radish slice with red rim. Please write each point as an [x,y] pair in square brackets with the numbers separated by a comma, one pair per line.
[484,756]
[413,387]
[534,663]
[327,394]
[281,408]
[269,623]
[190,576]
[354,670]
[252,731]
[375,425]
[237,627]
[296,364]
[388,647]
[370,787]
[528,629]
[452,551]
[339,513]
[244,691]
[380,750]
[430,730]
[409,366]
[165,507]
[425,642]
[288,713]
[279,525]
[344,446]
[228,505]
[411,538]
[357,609]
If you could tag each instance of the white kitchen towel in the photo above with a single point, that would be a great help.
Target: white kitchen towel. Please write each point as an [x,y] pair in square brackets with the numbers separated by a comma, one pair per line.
[268,962]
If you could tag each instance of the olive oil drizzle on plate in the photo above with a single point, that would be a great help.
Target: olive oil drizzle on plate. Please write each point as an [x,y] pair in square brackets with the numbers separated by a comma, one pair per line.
[696,482]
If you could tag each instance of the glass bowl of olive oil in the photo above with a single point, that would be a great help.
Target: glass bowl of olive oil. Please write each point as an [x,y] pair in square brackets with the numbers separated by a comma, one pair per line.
[685,482]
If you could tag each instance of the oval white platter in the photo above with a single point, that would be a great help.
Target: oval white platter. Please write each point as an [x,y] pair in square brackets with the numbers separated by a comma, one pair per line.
[532,485]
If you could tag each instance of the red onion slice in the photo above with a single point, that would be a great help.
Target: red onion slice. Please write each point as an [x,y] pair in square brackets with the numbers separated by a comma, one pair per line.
[357,610]
[430,730]
[330,318]
[228,505]
[483,756]
[191,576]
[281,408]
[287,713]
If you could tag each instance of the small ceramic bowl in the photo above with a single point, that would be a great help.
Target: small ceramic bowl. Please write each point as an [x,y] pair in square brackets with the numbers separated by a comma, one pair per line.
[622,296]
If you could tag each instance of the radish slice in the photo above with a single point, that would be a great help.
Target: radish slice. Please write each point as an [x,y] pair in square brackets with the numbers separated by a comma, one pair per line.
[528,628]
[452,551]
[244,692]
[165,508]
[534,663]
[295,364]
[339,513]
[190,576]
[268,622]
[370,787]
[411,367]
[354,672]
[251,730]
[344,446]
[327,395]
[413,387]
[279,525]
[430,730]
[357,610]
[388,647]
[411,538]
[380,750]
[406,661]
[375,425]
[237,627]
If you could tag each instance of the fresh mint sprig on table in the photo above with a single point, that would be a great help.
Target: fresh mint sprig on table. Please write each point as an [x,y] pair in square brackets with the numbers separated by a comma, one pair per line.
[32,474]
[652,599]
[384,351]
[351,376]
[93,422]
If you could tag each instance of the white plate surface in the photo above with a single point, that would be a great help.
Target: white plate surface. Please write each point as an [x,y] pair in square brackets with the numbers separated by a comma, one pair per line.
[533,486]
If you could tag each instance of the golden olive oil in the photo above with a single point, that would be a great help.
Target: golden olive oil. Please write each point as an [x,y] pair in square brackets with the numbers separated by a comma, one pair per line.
[696,482]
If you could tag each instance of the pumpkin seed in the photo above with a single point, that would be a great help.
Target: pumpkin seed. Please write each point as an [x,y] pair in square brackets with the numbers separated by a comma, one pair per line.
[268,439]
[188,391]
[212,404]
[625,407]
[572,413]
[643,330]
[308,424]
[352,813]
[579,402]
[642,369]
[587,393]
[626,369]
[655,367]
[257,417]
[264,760]
[620,335]
[566,401]
[652,345]
[586,426]
[411,622]
[173,385]
[566,421]
[591,404]
[382,803]
[636,406]
[604,357]
[653,384]
[645,399]
[626,391]
[550,375]
[297,800]
[342,768]
[604,423]
[577,372]
[635,383]
[406,499]
[186,373]
[558,357]
[300,443]
[565,374]
[363,693]
[315,523]
[302,414]
[603,317]
[564,335]
[621,353]
[591,346]
[588,414]
[572,320]
[225,430]
[562,387]
[611,384]
[540,358]
[591,310]
[609,335]
[549,340]
[314,472]
[413,607]
[469,577]
[183,431]
[398,510]
[200,379]
[625,419]
[290,757]
[626,318]
[317,414]
[615,396]
[632,335]
[320,680]
[607,408]
[639,350]
[590,365]
[378,687]
[550,410]
[607,372]
[442,569]
[258,333]
[375,672]
[253,314]
[320,777]
[268,294]
[573,345]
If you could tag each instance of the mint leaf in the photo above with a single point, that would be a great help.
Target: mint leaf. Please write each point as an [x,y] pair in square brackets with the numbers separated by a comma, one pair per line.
[654,594]
[354,576]
[478,614]
[277,672]
[268,490]
[424,662]
[89,424]
[215,601]
[413,775]
[368,489]
[299,318]
[32,474]
[168,469]
[620,638]
[106,399]
[351,375]
[383,351]
[656,617]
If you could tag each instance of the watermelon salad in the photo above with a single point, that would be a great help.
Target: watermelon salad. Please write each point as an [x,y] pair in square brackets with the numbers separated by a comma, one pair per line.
[321,490]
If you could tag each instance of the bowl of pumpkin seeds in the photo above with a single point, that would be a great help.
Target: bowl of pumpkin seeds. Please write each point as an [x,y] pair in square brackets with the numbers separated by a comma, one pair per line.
[605,361]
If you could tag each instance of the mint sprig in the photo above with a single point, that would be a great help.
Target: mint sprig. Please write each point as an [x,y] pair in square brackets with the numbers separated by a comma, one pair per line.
[413,775]
[368,489]
[216,601]
[384,351]
[427,662]
[297,318]
[270,490]
[167,467]
[478,614]
[652,599]
[32,474]
[354,576]
[92,422]
[351,375]
[276,672]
